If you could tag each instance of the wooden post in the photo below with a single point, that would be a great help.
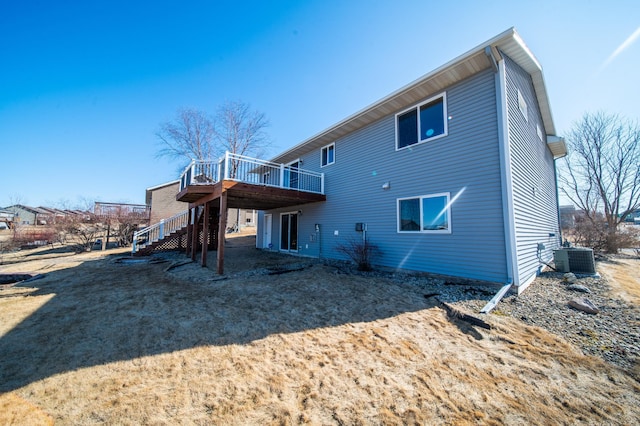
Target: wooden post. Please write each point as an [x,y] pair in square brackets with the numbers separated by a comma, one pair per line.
[189,232]
[205,234]
[215,231]
[222,222]
[195,234]
[212,230]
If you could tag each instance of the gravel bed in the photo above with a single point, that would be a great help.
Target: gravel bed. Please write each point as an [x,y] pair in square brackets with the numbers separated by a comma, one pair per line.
[613,334]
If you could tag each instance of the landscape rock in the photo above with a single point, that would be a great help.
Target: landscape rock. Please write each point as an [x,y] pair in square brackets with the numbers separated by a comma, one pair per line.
[569,277]
[584,305]
[578,287]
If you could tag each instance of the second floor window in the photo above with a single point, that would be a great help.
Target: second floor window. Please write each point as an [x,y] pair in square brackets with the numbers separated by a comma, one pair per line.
[422,122]
[328,155]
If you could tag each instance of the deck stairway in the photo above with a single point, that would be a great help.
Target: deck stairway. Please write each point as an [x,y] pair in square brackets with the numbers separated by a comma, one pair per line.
[168,234]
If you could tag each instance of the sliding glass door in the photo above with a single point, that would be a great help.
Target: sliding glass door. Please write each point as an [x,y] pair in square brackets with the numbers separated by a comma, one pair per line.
[289,232]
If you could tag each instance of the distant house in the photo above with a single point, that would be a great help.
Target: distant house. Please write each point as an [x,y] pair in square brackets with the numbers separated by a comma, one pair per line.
[50,215]
[241,219]
[633,217]
[162,203]
[453,174]
[136,212]
[25,215]
[6,219]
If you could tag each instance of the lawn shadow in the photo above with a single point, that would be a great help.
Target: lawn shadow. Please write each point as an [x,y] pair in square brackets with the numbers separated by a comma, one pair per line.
[102,311]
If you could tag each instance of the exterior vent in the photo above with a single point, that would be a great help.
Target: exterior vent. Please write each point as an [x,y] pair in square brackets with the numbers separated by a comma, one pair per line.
[578,260]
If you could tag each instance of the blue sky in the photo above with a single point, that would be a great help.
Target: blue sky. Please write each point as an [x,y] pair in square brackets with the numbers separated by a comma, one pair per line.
[84,85]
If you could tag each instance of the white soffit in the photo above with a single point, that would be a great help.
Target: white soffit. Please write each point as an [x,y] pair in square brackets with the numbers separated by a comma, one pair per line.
[458,69]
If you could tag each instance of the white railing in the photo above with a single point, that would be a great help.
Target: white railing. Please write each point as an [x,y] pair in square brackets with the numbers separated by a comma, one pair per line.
[158,231]
[199,172]
[251,170]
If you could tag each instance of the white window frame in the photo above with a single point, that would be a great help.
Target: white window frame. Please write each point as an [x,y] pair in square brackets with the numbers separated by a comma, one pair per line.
[522,106]
[331,145]
[447,196]
[442,95]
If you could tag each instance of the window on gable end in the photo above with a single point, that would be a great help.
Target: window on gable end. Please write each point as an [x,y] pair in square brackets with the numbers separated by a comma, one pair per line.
[328,155]
[422,122]
[522,105]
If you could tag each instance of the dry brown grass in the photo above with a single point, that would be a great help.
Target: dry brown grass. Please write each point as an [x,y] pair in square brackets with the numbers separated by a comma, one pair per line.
[99,342]
[17,411]
[624,273]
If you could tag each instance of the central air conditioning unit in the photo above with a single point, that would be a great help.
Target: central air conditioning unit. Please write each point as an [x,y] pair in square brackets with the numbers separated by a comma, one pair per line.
[575,259]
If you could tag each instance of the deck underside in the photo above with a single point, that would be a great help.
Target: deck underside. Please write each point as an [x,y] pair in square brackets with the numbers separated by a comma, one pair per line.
[217,198]
[247,196]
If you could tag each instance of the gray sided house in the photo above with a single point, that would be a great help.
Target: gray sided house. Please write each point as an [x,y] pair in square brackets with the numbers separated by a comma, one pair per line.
[453,174]
[25,215]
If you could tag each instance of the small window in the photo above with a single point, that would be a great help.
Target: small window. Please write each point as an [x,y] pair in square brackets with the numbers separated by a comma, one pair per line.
[429,214]
[522,105]
[421,122]
[539,132]
[328,155]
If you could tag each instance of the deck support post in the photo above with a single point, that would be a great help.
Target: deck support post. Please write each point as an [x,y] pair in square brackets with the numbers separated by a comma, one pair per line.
[189,232]
[214,230]
[222,223]
[195,234]
[205,233]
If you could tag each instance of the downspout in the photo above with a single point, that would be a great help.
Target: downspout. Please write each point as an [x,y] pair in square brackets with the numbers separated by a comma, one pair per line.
[555,176]
[505,172]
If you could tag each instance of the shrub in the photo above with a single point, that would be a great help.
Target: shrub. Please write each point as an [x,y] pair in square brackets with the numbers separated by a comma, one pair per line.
[597,235]
[360,252]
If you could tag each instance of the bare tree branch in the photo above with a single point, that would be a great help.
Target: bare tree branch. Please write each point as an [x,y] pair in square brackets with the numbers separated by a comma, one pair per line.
[190,135]
[193,134]
[602,171]
[241,130]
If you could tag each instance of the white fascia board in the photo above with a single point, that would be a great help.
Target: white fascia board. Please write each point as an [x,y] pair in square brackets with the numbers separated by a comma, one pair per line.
[508,41]
[162,185]
[478,49]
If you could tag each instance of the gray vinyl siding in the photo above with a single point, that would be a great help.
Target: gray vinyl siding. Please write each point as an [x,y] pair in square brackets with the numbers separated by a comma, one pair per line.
[533,177]
[465,162]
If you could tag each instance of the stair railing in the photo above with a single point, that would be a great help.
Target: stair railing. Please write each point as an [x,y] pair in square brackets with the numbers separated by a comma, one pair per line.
[158,231]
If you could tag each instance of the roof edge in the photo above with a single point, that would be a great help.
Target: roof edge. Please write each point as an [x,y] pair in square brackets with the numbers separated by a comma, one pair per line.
[508,40]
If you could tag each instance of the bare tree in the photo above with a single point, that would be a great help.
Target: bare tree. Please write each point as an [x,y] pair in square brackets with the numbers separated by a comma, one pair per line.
[16,199]
[602,172]
[85,234]
[240,129]
[190,135]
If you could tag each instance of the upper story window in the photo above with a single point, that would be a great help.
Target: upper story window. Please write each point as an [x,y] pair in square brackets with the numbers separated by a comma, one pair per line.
[522,106]
[428,213]
[422,122]
[328,155]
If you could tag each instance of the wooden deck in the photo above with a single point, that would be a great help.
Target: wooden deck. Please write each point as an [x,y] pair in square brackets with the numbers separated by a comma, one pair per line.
[247,196]
[218,197]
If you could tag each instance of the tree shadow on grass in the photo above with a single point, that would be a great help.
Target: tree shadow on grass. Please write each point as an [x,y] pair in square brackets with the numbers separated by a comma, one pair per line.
[103,311]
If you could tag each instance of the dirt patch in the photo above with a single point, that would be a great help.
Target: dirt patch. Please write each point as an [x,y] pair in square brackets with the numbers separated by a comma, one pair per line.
[102,342]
